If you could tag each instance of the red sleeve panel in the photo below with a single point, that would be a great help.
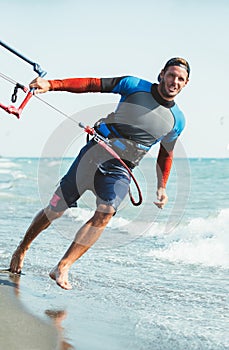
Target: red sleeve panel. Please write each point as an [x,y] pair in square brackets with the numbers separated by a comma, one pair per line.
[164,164]
[77,85]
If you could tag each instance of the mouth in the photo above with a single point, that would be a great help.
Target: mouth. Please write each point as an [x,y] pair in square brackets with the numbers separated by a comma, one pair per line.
[172,89]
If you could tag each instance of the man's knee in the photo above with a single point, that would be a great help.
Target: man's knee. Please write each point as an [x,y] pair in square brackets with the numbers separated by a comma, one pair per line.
[103,214]
[51,214]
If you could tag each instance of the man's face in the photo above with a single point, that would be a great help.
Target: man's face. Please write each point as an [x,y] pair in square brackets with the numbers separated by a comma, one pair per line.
[172,82]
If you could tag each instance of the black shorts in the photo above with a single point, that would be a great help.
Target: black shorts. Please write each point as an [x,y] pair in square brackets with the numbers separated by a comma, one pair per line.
[94,169]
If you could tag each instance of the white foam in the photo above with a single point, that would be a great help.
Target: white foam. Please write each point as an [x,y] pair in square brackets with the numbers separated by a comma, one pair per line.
[79,214]
[7,164]
[82,215]
[5,171]
[54,163]
[6,195]
[18,175]
[5,185]
[202,241]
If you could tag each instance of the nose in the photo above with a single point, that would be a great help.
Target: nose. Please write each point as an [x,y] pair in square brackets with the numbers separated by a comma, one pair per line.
[176,80]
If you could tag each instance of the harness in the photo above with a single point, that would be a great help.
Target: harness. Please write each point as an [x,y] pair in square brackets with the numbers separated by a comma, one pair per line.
[130,151]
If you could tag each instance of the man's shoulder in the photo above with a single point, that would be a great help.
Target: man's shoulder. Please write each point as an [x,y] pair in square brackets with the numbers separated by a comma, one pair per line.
[135,81]
[179,119]
[125,84]
[177,111]
[131,84]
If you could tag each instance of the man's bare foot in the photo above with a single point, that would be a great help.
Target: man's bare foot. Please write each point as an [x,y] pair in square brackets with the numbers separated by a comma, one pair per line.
[60,275]
[17,260]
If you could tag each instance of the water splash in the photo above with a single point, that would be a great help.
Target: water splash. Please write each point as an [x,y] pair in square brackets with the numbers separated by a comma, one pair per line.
[202,241]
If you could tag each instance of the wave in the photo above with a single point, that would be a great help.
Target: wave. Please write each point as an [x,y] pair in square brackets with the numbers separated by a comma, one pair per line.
[5,171]
[8,167]
[6,194]
[5,163]
[201,241]
[18,175]
[6,185]
[82,215]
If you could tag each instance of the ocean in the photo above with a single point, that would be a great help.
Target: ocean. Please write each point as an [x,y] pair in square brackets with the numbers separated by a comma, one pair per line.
[155,280]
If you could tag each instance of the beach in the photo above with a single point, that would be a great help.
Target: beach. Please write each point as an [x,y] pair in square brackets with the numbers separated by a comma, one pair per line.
[155,280]
[20,330]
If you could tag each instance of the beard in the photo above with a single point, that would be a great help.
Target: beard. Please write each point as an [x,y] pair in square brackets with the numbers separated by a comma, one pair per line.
[164,91]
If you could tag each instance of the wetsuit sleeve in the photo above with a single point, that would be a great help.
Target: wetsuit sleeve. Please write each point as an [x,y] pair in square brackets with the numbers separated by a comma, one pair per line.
[112,84]
[164,163]
[125,85]
[179,124]
[76,85]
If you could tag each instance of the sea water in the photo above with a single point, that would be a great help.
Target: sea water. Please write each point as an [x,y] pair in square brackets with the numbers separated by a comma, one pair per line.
[156,279]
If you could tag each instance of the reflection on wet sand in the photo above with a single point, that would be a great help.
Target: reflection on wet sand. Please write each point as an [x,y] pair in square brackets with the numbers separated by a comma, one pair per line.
[15,278]
[57,316]
[20,329]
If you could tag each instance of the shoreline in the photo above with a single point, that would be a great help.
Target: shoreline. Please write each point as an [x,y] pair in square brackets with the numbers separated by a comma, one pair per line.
[19,329]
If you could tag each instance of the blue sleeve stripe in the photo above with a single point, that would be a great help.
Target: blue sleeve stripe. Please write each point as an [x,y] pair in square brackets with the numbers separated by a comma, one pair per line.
[179,119]
[179,124]
[129,85]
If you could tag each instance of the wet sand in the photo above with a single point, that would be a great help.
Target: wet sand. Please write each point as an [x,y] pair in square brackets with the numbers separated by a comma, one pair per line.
[20,330]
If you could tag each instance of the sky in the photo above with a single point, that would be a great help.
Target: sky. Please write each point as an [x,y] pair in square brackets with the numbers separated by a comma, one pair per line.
[113,38]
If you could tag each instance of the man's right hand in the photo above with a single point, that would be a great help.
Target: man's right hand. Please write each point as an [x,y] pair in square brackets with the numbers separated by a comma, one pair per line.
[40,85]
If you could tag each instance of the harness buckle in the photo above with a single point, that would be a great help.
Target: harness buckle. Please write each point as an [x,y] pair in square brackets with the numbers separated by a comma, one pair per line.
[98,137]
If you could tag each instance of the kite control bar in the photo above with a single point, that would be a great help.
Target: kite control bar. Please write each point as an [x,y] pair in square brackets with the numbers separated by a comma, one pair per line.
[36,66]
[11,109]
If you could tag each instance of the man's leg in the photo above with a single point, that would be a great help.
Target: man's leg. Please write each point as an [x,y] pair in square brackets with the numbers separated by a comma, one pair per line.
[84,239]
[41,221]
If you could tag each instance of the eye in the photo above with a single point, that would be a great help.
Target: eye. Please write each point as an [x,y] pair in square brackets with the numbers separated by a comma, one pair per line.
[171,75]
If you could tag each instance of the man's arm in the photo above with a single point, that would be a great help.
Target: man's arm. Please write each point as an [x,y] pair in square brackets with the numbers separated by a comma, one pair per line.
[163,167]
[118,85]
[75,85]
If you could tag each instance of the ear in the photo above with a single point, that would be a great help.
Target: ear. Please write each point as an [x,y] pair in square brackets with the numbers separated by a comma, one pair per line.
[187,81]
[161,75]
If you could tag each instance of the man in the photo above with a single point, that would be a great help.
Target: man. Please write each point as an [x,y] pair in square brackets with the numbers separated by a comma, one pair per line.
[146,114]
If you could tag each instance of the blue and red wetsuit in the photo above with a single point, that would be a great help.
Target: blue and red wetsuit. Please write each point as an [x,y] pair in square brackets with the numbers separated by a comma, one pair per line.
[141,119]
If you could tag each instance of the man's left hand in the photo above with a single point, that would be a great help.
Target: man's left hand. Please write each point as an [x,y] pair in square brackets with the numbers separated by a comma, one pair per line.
[162,198]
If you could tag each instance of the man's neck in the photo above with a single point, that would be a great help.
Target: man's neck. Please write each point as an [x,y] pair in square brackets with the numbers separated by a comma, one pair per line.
[164,97]
[159,98]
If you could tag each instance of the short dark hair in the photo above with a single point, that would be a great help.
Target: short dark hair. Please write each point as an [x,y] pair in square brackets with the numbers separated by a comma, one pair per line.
[176,61]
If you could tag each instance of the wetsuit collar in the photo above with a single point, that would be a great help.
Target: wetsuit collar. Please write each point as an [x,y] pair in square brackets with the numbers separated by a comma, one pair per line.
[159,99]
